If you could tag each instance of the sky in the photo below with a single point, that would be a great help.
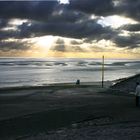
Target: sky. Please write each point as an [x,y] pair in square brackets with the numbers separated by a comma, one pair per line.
[70,28]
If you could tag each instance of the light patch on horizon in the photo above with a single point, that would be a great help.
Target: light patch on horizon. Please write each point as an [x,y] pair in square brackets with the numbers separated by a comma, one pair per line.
[13,23]
[16,21]
[115,21]
[12,28]
[116,2]
[93,17]
[136,50]
[64,1]
[41,47]
[95,52]
[111,54]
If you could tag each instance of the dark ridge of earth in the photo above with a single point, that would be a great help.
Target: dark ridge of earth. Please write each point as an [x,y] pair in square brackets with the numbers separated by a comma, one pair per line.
[127,84]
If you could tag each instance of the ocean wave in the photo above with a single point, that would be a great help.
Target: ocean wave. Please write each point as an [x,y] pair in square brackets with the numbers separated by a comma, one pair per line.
[7,63]
[127,63]
[133,64]
[60,63]
[33,63]
[90,69]
[69,63]
[94,63]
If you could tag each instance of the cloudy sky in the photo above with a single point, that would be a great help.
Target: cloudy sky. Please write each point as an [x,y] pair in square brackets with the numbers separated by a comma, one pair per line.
[70,28]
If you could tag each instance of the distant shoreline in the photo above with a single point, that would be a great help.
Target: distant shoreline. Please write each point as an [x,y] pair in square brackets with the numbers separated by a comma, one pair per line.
[70,84]
[82,84]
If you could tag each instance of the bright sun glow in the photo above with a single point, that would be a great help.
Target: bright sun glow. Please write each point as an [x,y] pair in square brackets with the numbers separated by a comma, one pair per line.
[44,42]
[64,1]
[115,21]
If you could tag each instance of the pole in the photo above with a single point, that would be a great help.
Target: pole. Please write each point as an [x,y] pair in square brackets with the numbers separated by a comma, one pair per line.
[103,71]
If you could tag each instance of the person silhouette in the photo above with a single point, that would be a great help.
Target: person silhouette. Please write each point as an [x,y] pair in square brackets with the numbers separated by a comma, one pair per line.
[137,93]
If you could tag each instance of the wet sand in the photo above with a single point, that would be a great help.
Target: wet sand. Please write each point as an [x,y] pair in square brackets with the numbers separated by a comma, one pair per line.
[68,112]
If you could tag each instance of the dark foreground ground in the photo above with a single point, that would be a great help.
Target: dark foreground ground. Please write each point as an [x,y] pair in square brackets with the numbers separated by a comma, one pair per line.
[68,113]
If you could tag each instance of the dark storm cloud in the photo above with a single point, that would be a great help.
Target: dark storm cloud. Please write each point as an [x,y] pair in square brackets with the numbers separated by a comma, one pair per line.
[131,27]
[32,10]
[61,20]
[71,20]
[74,30]
[129,8]
[108,35]
[63,14]
[132,41]
[14,45]
[18,34]
[42,10]
[36,10]
[49,11]
[7,34]
[98,7]
[3,23]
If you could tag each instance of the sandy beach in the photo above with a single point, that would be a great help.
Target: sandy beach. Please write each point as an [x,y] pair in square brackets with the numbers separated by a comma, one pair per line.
[67,111]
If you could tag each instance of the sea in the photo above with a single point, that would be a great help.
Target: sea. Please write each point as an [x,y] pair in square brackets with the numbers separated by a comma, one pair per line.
[18,72]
